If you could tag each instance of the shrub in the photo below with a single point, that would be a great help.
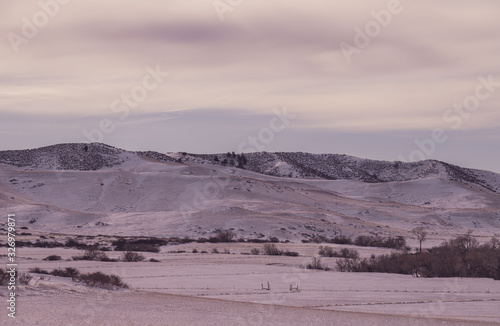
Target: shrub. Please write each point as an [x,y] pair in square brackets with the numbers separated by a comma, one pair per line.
[290,253]
[4,277]
[344,252]
[316,264]
[47,244]
[215,251]
[458,257]
[319,239]
[349,253]
[22,278]
[38,270]
[131,256]
[195,251]
[255,251]
[53,257]
[342,239]
[222,236]
[101,280]
[398,242]
[326,251]
[271,250]
[154,260]
[72,243]
[25,278]
[94,254]
[67,272]
[144,245]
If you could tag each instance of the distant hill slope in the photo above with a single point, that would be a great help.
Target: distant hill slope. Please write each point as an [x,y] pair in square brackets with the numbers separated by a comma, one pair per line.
[95,156]
[98,189]
[344,167]
[82,157]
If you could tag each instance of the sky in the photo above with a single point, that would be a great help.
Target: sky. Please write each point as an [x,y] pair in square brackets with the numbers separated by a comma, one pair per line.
[390,80]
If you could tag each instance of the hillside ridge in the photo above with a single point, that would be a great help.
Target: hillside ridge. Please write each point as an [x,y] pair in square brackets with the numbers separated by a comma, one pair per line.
[300,165]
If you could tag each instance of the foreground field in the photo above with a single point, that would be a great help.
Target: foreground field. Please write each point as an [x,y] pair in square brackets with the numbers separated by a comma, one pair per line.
[226,289]
[50,306]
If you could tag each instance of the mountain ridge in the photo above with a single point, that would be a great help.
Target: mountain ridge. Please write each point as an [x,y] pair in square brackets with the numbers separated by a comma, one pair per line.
[299,165]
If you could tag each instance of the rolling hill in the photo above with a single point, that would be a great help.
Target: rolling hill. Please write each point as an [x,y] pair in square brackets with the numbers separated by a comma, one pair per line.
[99,189]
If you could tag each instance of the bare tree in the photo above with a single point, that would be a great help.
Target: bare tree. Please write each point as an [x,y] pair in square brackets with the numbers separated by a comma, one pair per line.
[421,235]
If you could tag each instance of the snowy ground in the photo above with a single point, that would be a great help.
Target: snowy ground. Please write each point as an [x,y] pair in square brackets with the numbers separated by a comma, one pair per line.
[144,197]
[225,289]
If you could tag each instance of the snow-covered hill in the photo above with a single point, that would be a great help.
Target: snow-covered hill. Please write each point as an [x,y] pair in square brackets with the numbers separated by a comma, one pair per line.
[99,189]
[344,167]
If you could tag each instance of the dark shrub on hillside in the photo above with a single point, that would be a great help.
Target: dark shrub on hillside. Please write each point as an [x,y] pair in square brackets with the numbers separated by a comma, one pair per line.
[94,254]
[24,278]
[144,245]
[53,257]
[341,239]
[222,236]
[316,264]
[371,241]
[72,243]
[271,250]
[101,280]
[319,239]
[67,272]
[131,256]
[47,244]
[38,270]
[344,252]
[458,257]
[4,277]
[290,253]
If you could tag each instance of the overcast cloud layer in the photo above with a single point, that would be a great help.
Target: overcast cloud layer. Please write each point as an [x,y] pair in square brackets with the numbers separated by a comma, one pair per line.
[375,96]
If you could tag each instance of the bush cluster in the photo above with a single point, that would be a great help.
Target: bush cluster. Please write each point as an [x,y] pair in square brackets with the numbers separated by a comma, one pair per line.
[53,258]
[343,253]
[94,254]
[222,236]
[271,250]
[462,256]
[316,264]
[22,278]
[101,280]
[95,279]
[144,245]
[398,242]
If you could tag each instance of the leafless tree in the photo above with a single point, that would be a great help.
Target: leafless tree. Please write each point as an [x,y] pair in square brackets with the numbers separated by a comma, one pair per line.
[421,235]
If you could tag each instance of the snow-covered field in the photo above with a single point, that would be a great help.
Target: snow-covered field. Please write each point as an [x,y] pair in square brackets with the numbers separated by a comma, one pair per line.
[62,192]
[226,289]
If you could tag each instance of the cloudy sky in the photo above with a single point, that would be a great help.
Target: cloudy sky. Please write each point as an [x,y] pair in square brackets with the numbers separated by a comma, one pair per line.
[391,80]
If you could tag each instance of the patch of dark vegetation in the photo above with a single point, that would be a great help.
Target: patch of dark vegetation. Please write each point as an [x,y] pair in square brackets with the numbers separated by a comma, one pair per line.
[53,258]
[38,270]
[144,245]
[101,280]
[73,243]
[67,272]
[462,256]
[95,255]
[39,244]
[270,249]
[398,242]
[255,251]
[131,256]
[343,253]
[222,236]
[316,264]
